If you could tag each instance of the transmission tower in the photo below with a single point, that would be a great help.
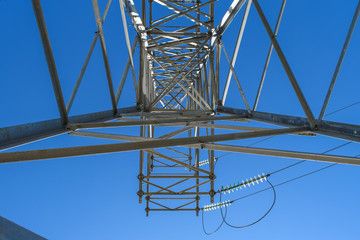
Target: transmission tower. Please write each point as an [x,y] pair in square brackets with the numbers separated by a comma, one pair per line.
[179,103]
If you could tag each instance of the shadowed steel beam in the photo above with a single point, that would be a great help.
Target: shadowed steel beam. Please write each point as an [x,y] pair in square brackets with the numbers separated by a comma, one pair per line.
[22,134]
[284,154]
[50,60]
[104,53]
[340,61]
[236,50]
[349,132]
[121,147]
[145,122]
[87,59]
[286,66]
[269,56]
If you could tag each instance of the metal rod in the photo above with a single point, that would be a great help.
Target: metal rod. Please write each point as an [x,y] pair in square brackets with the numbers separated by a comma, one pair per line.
[285,154]
[236,50]
[104,53]
[131,146]
[126,70]
[287,68]
[50,60]
[127,39]
[269,55]
[236,78]
[87,59]
[340,61]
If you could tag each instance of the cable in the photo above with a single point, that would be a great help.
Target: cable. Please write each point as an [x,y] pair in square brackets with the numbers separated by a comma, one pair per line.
[248,225]
[262,140]
[203,225]
[342,108]
[285,182]
[302,161]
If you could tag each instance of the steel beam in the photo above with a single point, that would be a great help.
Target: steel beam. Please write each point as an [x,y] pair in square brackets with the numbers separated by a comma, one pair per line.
[284,154]
[340,61]
[269,56]
[25,133]
[131,146]
[50,60]
[236,50]
[345,131]
[146,122]
[286,67]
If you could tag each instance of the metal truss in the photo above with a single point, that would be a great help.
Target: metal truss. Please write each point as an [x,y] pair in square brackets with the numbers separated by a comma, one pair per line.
[178,102]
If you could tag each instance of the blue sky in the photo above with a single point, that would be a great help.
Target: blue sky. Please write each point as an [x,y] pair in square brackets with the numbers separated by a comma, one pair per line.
[94,197]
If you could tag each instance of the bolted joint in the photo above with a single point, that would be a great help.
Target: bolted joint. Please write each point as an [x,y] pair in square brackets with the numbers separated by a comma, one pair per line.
[141,177]
[212,193]
[202,146]
[212,177]
[140,193]
[197,209]
[147,198]
[197,198]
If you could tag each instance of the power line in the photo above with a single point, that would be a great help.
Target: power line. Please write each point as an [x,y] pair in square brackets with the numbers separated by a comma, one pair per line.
[353,104]
[253,223]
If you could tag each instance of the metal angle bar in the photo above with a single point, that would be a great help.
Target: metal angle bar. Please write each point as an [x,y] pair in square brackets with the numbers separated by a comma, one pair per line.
[146,122]
[169,6]
[269,56]
[175,133]
[173,97]
[171,149]
[177,193]
[197,185]
[180,13]
[340,61]
[240,128]
[184,76]
[166,90]
[171,176]
[178,162]
[173,210]
[131,146]
[196,10]
[50,60]
[127,39]
[227,19]
[236,78]
[126,70]
[155,185]
[87,59]
[30,132]
[104,53]
[285,154]
[160,205]
[236,50]
[136,20]
[286,67]
[174,184]
[186,204]
[349,132]
[181,41]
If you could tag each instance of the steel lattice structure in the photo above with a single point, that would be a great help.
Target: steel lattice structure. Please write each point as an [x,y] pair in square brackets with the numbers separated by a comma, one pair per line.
[177,86]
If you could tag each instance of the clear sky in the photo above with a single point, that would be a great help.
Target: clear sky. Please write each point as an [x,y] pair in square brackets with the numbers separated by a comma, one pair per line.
[94,197]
